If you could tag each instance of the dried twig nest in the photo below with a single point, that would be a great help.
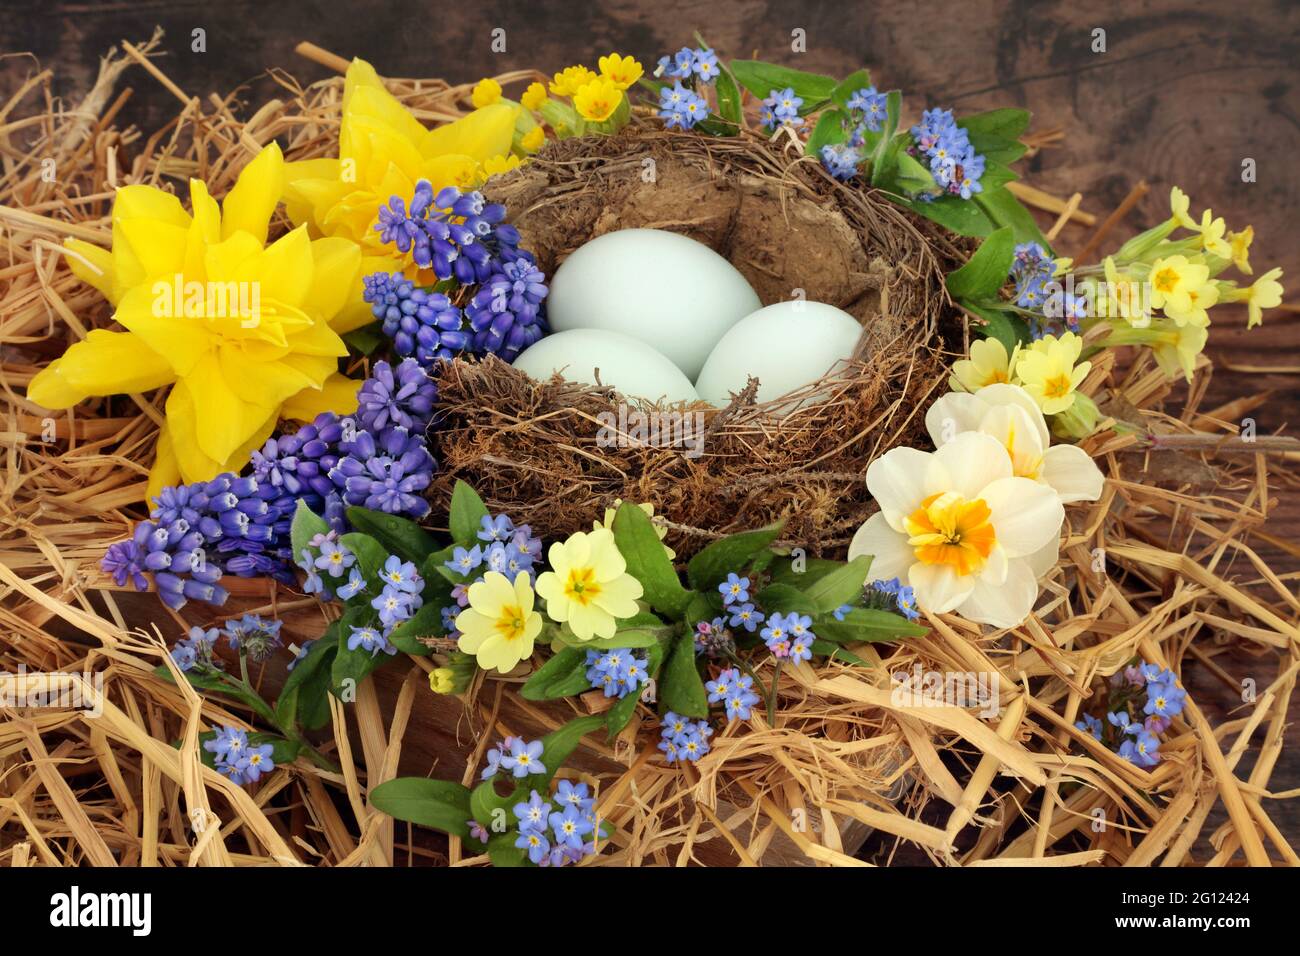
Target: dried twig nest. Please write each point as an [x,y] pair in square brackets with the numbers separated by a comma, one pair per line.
[537,450]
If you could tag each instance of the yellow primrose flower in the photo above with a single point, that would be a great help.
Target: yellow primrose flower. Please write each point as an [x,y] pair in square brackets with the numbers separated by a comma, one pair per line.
[588,586]
[533,97]
[961,529]
[1179,204]
[383,152]
[1173,278]
[1212,240]
[247,332]
[500,625]
[597,100]
[1264,293]
[442,680]
[532,140]
[660,528]
[570,80]
[486,92]
[1239,243]
[1175,347]
[988,364]
[622,71]
[1047,370]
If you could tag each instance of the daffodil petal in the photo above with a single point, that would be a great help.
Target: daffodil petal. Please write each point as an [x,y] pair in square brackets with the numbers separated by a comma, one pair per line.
[972,461]
[336,279]
[166,470]
[338,395]
[1004,604]
[938,588]
[483,133]
[92,265]
[1072,472]
[104,363]
[249,205]
[181,341]
[899,480]
[891,555]
[1025,514]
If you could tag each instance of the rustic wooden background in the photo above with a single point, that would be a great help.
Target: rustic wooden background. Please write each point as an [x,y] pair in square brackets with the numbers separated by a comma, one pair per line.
[1183,93]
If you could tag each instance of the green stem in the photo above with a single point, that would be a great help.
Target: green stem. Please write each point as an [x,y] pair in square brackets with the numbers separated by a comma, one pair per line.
[771,693]
[254,700]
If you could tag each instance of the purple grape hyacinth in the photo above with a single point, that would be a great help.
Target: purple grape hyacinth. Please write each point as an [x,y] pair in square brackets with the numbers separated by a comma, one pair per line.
[396,397]
[506,312]
[387,474]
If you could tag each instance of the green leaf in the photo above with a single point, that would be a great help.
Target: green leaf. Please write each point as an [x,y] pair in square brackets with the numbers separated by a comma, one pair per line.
[681,688]
[835,651]
[302,699]
[710,567]
[996,133]
[503,852]
[888,147]
[963,216]
[564,675]
[840,587]
[867,625]
[785,599]
[467,514]
[829,130]
[439,804]
[559,744]
[353,664]
[728,96]
[371,555]
[850,85]
[984,275]
[306,525]
[426,622]
[369,338]
[400,536]
[647,561]
[762,78]
[1004,209]
[783,571]
[485,802]
[911,177]
[1007,327]
[632,637]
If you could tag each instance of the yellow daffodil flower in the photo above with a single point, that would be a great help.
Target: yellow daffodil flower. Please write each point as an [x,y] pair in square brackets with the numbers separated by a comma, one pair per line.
[622,71]
[596,101]
[1264,293]
[988,363]
[1239,243]
[499,164]
[961,529]
[486,92]
[383,152]
[570,80]
[245,331]
[1047,370]
[588,586]
[500,625]
[534,96]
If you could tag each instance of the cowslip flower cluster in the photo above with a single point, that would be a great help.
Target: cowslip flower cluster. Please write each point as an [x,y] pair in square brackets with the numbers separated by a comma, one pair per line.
[238,759]
[1148,687]
[683,739]
[954,164]
[1048,369]
[735,691]
[618,672]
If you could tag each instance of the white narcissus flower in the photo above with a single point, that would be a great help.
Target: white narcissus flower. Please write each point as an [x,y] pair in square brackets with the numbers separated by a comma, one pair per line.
[960,528]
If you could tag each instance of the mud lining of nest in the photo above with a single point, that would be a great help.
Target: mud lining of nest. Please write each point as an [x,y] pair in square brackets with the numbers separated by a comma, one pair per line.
[550,452]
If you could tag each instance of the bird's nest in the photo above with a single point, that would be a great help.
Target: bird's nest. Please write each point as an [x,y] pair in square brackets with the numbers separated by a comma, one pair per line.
[545,451]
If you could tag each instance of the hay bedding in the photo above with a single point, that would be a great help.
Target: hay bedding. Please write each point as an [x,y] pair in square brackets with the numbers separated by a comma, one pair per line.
[1182,587]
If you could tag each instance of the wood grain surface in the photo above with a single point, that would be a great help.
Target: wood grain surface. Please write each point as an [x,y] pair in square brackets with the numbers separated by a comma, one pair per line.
[1183,93]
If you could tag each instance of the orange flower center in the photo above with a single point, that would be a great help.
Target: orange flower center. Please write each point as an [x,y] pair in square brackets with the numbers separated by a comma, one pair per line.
[949,529]
[1166,280]
[581,586]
